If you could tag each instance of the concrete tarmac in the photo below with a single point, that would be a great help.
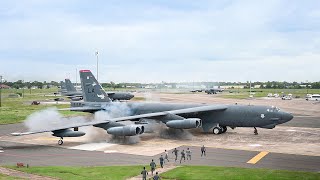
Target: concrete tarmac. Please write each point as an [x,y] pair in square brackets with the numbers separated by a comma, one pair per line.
[38,155]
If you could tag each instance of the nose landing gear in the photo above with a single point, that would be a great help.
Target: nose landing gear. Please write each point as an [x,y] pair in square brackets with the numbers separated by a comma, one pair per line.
[255,131]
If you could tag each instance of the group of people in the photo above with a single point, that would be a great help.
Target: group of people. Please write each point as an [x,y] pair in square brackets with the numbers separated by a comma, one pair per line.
[162,159]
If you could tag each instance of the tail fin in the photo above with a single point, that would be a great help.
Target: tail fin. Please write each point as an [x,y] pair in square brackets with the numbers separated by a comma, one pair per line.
[91,89]
[69,86]
[63,85]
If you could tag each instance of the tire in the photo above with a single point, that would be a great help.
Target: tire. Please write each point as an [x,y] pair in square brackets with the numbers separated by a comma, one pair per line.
[60,142]
[223,129]
[216,130]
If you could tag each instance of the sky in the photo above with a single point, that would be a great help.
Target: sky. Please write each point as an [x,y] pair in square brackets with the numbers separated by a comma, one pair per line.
[153,41]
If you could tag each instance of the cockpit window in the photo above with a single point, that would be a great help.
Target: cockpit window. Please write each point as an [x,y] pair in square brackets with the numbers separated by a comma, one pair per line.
[273,109]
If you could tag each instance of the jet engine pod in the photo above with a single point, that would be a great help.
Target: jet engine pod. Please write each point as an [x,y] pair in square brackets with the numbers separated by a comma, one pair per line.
[67,133]
[130,130]
[185,123]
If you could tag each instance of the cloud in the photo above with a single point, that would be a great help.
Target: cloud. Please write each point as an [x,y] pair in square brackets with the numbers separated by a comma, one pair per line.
[163,40]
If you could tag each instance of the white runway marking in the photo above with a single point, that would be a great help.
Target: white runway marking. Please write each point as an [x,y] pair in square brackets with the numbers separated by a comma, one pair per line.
[92,146]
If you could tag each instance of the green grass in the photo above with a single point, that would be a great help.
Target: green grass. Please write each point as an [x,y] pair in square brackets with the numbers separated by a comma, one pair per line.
[223,173]
[15,110]
[180,173]
[103,172]
[5,177]
[244,93]
[138,99]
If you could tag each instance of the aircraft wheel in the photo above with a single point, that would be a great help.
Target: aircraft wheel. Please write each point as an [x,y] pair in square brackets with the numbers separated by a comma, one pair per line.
[216,130]
[223,129]
[60,142]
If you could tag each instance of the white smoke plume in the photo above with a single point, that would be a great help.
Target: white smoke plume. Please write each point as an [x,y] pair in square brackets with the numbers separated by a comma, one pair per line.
[50,119]
[113,110]
[149,97]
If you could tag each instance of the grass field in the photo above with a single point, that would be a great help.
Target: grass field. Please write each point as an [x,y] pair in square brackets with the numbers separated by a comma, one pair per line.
[223,173]
[15,110]
[4,177]
[244,93]
[180,173]
[103,172]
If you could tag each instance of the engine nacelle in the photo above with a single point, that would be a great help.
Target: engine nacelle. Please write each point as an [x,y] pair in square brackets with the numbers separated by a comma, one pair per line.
[130,130]
[184,123]
[67,133]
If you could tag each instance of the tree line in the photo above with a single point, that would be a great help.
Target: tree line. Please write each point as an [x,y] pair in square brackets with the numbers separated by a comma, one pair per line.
[266,85]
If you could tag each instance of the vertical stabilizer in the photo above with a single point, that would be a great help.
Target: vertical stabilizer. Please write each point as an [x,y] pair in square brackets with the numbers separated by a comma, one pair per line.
[91,89]
[69,86]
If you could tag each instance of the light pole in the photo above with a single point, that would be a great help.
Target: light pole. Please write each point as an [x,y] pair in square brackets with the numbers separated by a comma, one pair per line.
[97,53]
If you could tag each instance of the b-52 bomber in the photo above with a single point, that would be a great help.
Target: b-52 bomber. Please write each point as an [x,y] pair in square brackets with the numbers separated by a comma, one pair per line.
[210,118]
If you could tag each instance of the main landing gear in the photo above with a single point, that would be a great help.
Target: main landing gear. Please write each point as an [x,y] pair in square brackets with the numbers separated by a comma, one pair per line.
[219,129]
[255,131]
[60,142]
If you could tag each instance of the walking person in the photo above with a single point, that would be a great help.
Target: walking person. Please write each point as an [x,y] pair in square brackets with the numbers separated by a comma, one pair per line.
[183,156]
[175,151]
[161,161]
[144,173]
[188,154]
[156,177]
[203,151]
[153,166]
[166,155]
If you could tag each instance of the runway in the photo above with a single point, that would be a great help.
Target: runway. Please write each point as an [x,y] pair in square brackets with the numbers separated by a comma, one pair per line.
[38,155]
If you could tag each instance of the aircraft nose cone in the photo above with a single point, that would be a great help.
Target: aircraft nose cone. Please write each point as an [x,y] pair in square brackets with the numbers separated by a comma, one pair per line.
[286,117]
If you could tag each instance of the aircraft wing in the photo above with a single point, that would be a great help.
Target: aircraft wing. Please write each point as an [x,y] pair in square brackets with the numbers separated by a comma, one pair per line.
[133,118]
[74,125]
[175,112]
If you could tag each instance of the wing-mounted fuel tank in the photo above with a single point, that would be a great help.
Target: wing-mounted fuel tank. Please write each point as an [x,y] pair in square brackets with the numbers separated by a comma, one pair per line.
[68,133]
[185,123]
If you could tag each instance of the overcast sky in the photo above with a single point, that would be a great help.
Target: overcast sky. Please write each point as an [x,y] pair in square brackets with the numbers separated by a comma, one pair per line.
[167,40]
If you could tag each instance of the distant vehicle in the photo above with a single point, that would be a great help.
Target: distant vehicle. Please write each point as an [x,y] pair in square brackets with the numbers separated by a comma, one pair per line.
[276,95]
[286,98]
[313,97]
[269,95]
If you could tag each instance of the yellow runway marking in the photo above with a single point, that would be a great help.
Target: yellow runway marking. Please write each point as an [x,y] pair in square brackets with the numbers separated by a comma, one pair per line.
[258,157]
